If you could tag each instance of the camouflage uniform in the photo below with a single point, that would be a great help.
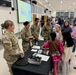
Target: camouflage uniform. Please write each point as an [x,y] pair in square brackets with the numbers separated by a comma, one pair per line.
[46,30]
[35,29]
[25,33]
[11,49]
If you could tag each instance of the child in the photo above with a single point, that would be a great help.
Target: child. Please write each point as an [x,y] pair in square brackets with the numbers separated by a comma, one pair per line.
[58,32]
[55,51]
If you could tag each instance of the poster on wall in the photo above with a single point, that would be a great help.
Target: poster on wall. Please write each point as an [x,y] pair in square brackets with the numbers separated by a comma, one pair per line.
[24,11]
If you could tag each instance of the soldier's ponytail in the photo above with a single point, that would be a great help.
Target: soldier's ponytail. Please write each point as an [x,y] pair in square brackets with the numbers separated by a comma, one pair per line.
[6,24]
[2,25]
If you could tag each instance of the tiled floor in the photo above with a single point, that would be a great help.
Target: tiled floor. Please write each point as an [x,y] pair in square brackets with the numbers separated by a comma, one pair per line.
[4,67]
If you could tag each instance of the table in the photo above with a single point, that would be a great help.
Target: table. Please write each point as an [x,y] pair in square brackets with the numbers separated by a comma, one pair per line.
[42,69]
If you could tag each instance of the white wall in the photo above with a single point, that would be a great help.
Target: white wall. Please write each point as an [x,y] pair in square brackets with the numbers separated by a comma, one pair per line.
[7,14]
[53,13]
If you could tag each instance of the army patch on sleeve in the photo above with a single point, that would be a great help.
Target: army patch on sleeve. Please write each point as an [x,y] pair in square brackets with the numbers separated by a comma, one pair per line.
[6,41]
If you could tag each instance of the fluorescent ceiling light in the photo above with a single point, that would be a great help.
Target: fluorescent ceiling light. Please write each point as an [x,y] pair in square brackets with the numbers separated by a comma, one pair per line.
[73,3]
[61,2]
[46,1]
[42,4]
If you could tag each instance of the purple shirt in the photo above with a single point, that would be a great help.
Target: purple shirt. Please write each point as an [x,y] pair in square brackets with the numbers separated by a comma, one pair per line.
[74,32]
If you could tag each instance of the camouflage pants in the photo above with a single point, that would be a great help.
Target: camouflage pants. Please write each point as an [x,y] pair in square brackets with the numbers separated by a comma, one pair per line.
[11,62]
[10,65]
[46,38]
[10,70]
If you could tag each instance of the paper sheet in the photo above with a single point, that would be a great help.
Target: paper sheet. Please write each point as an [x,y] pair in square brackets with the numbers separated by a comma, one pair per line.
[44,57]
[36,47]
[34,50]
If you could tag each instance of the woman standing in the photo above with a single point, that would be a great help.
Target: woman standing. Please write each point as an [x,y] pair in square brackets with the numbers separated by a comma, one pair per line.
[68,42]
[26,36]
[10,44]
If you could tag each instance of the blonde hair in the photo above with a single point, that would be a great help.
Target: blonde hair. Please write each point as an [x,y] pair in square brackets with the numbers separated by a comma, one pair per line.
[57,25]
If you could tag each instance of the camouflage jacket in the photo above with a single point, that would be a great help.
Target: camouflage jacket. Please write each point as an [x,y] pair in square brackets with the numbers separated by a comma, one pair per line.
[25,33]
[11,47]
[46,30]
[35,29]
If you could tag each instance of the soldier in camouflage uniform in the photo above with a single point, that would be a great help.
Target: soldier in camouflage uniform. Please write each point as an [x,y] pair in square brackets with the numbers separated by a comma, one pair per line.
[10,44]
[26,36]
[46,30]
[35,29]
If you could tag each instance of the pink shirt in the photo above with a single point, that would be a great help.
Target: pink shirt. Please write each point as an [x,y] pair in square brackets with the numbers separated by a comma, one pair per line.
[55,58]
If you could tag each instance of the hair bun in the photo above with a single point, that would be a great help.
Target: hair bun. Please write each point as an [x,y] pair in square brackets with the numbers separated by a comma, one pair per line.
[2,25]
[26,23]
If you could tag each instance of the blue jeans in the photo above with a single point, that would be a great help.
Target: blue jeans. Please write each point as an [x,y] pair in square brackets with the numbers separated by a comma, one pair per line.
[74,40]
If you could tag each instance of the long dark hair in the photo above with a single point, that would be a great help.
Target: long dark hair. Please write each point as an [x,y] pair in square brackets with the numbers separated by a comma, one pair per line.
[65,22]
[53,36]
